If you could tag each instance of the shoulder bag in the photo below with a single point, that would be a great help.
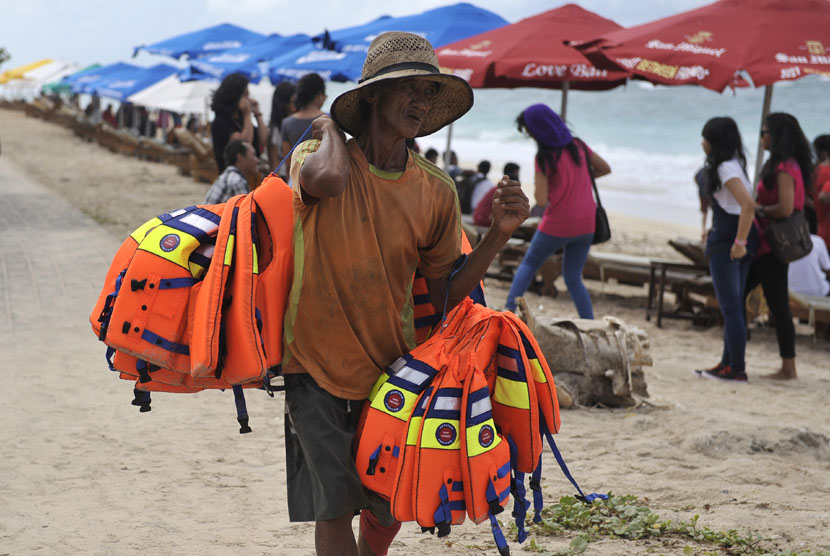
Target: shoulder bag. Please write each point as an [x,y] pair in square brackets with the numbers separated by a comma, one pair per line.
[602,231]
[789,238]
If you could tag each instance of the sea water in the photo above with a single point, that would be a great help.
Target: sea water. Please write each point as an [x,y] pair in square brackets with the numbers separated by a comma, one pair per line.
[650,135]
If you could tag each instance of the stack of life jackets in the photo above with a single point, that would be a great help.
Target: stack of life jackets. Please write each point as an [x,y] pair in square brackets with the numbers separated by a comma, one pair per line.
[452,427]
[194,299]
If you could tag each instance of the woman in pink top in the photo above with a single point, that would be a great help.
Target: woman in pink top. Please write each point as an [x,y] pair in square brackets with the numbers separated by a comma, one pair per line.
[563,186]
[779,193]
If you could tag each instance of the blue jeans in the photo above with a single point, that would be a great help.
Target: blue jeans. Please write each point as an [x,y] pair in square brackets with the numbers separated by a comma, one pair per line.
[729,278]
[543,246]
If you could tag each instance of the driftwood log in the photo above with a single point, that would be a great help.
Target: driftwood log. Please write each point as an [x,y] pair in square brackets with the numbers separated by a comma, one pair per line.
[593,361]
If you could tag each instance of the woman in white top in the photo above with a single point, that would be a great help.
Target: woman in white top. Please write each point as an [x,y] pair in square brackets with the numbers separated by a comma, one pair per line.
[731,241]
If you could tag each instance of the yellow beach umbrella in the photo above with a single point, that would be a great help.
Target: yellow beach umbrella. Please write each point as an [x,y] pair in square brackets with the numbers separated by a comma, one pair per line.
[17,73]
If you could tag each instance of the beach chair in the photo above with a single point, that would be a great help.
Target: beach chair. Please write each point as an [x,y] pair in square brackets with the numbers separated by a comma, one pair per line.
[814,309]
[692,250]
[692,287]
[202,164]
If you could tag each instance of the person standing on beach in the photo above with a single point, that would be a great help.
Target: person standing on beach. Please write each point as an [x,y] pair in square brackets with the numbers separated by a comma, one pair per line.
[780,192]
[368,212]
[728,244]
[563,187]
[309,98]
[234,109]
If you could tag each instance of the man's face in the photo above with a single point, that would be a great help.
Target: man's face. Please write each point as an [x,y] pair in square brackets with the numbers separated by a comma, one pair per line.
[403,104]
[247,162]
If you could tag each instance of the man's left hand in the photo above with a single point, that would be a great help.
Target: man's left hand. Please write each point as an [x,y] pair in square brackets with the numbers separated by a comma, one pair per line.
[510,206]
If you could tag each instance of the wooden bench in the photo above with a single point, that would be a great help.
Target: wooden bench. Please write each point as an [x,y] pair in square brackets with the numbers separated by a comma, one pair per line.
[815,309]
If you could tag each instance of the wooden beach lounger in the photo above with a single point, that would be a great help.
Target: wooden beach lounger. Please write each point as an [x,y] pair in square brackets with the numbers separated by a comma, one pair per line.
[815,309]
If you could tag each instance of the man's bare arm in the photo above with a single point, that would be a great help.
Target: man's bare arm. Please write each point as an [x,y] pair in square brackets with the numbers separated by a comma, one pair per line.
[325,173]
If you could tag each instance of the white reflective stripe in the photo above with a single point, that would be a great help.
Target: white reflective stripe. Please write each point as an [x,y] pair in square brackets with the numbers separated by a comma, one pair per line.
[200,222]
[480,407]
[412,375]
[206,250]
[396,366]
[448,403]
[177,212]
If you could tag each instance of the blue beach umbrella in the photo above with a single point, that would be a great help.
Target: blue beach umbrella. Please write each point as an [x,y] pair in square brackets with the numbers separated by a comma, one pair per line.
[204,41]
[85,82]
[124,84]
[339,55]
[245,59]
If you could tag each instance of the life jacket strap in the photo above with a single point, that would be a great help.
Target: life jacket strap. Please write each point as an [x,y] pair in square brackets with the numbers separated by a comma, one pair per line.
[456,268]
[164,343]
[536,487]
[174,283]
[443,515]
[288,156]
[106,312]
[498,536]
[241,409]
[141,399]
[517,488]
[581,496]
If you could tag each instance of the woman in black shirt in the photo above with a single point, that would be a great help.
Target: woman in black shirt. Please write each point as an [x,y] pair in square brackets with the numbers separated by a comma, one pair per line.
[233,108]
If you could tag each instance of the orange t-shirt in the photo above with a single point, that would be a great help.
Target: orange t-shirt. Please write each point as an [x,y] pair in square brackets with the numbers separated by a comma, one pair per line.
[350,310]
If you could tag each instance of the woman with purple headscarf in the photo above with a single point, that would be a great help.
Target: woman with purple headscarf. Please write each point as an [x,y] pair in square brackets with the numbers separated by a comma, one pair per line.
[563,187]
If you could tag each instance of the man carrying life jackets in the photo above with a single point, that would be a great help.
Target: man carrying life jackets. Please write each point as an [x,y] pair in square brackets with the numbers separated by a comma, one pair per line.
[368,211]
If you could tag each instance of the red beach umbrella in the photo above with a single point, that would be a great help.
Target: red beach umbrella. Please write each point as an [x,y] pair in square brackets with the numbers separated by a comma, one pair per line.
[723,44]
[531,53]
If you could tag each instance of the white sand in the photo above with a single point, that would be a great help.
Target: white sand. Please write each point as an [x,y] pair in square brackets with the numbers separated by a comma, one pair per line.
[83,472]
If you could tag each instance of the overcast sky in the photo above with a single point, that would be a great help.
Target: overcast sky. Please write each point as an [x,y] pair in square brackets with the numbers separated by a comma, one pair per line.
[87,31]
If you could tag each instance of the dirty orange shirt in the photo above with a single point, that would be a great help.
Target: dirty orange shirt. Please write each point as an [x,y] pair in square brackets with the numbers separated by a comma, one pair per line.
[350,310]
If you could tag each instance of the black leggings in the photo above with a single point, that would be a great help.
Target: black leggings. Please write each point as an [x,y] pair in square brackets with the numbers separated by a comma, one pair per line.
[772,275]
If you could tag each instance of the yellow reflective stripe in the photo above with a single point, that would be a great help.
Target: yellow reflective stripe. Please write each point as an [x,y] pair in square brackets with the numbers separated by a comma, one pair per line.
[511,393]
[413,430]
[256,261]
[229,251]
[379,402]
[430,429]
[197,270]
[180,254]
[378,383]
[474,446]
[141,232]
[538,373]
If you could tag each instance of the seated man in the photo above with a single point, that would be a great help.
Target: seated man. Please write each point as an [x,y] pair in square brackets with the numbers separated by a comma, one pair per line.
[483,211]
[809,275]
[241,162]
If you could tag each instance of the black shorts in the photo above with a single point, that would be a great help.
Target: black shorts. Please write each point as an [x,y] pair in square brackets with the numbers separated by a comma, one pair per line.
[322,480]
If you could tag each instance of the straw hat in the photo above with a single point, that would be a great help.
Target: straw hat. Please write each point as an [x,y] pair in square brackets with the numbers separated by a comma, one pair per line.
[396,55]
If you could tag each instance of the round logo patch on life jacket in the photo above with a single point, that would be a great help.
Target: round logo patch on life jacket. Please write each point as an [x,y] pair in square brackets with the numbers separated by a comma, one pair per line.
[394,401]
[169,242]
[445,434]
[486,436]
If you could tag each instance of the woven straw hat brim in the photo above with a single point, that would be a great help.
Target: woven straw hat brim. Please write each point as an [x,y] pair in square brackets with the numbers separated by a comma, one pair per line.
[454,99]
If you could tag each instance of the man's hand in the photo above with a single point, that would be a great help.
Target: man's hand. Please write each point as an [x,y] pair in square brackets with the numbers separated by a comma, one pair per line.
[510,207]
[322,124]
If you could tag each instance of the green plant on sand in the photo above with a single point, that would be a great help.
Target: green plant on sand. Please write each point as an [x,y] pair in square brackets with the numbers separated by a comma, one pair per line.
[626,517]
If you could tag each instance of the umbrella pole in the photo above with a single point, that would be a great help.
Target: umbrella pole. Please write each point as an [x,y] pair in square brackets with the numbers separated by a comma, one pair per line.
[563,111]
[447,152]
[760,156]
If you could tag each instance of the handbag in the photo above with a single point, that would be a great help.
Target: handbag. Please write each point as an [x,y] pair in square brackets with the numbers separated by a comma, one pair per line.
[602,230]
[789,238]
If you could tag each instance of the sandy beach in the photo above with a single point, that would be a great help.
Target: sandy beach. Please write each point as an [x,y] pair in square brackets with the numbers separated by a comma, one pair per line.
[84,473]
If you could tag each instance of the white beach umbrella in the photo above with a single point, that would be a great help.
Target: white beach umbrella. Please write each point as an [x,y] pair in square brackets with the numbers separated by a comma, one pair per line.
[193,97]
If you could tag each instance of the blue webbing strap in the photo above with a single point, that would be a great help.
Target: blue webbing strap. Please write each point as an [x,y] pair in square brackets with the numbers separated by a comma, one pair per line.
[520,503]
[587,499]
[106,312]
[498,536]
[536,487]
[173,283]
[287,156]
[109,356]
[164,343]
[443,515]
[241,409]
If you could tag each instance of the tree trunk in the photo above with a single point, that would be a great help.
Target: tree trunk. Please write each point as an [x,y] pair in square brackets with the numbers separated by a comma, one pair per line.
[593,361]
